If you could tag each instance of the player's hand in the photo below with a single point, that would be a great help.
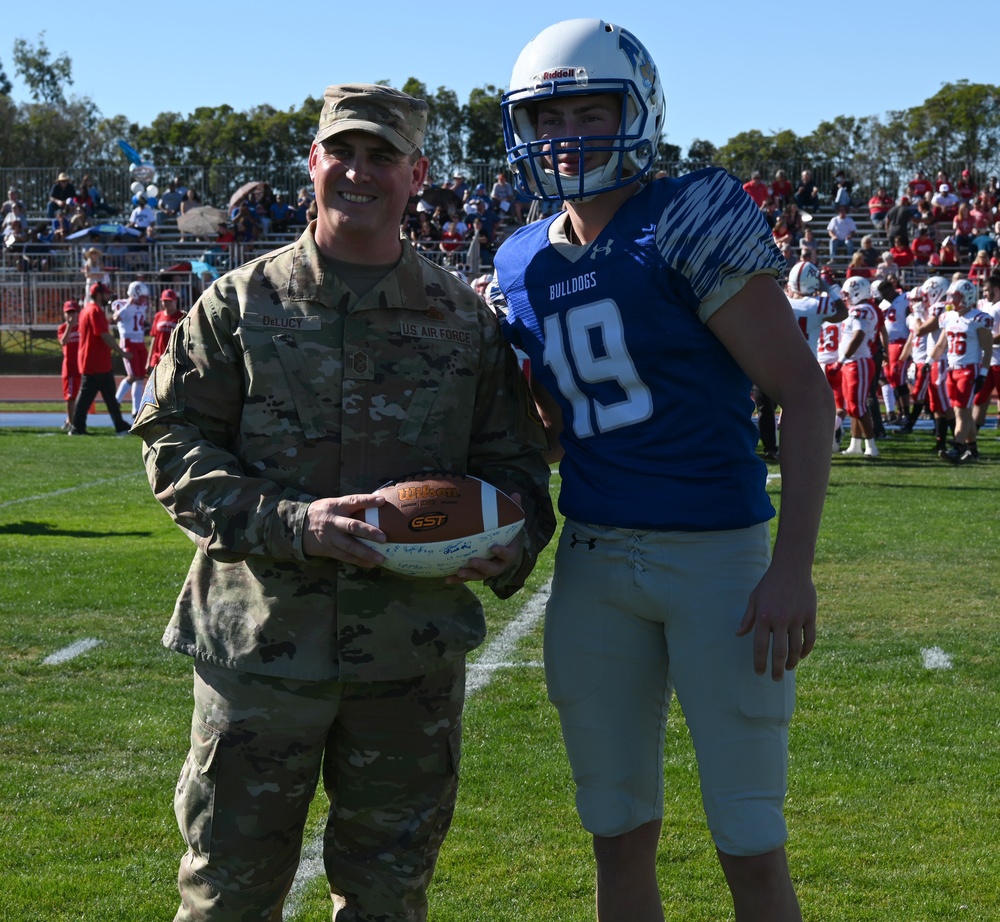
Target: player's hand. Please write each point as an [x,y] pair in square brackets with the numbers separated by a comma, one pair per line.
[332,531]
[781,613]
[979,383]
[835,366]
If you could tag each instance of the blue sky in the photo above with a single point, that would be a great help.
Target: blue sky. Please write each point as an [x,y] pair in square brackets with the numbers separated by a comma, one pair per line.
[724,69]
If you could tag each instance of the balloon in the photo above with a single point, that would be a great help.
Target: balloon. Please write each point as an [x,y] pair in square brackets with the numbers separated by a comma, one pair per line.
[143,172]
[152,191]
[136,188]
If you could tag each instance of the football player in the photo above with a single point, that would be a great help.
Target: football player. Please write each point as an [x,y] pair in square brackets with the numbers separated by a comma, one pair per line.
[628,299]
[935,296]
[895,307]
[130,316]
[819,309]
[967,340]
[857,364]
[990,305]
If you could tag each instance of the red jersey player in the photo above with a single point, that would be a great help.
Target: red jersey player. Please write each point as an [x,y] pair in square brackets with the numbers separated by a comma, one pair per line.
[68,335]
[163,325]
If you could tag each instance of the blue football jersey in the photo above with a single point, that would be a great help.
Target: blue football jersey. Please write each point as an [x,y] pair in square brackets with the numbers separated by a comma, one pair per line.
[657,425]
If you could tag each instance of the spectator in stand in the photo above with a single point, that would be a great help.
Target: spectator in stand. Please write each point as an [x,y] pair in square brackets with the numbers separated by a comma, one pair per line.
[948,256]
[941,180]
[756,188]
[459,187]
[82,199]
[899,219]
[806,194]
[170,202]
[78,218]
[808,242]
[858,268]
[962,227]
[96,344]
[993,192]
[282,214]
[60,226]
[868,252]
[60,194]
[979,270]
[163,325]
[189,201]
[782,235]
[143,218]
[791,258]
[841,231]
[452,235]
[980,212]
[303,203]
[901,254]
[841,192]
[68,335]
[793,220]
[927,217]
[923,247]
[879,205]
[944,203]
[966,188]
[887,267]
[770,211]
[13,201]
[245,224]
[94,270]
[225,237]
[503,196]
[781,189]
[919,186]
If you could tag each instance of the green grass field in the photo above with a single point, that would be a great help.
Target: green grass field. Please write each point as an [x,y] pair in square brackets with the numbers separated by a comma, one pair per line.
[894,802]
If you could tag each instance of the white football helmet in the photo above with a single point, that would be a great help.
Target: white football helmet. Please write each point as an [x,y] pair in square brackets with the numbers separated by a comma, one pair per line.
[962,295]
[575,58]
[138,290]
[856,290]
[804,279]
[934,289]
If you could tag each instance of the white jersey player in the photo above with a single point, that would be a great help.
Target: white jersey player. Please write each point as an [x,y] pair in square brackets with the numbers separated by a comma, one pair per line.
[130,316]
[966,341]
[819,309]
[990,305]
[934,293]
[857,364]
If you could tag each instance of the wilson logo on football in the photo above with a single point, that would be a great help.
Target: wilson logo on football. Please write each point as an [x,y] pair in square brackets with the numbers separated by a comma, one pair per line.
[427,521]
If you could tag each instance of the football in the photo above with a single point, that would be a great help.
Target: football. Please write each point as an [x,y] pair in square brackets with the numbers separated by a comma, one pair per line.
[437,522]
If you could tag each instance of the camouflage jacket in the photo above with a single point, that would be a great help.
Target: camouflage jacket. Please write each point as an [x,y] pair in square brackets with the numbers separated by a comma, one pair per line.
[282,386]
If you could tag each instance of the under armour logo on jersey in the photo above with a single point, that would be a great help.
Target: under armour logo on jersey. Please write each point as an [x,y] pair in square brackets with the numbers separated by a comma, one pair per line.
[575,539]
[604,250]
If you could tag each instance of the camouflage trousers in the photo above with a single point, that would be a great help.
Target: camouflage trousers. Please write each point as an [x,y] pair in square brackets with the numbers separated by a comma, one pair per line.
[388,754]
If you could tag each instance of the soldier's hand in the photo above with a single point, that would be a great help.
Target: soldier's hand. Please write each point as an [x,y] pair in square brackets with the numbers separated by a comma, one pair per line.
[332,531]
[501,557]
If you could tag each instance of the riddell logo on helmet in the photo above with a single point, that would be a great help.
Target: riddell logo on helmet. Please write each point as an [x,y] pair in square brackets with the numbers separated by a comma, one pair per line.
[558,74]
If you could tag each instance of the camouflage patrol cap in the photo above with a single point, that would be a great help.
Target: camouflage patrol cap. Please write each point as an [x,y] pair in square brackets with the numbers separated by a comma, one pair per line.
[380,110]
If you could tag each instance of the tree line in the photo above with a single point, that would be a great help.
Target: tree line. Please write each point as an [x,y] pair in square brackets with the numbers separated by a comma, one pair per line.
[958,127]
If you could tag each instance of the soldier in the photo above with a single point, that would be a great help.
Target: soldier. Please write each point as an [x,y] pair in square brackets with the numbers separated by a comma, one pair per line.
[296,385]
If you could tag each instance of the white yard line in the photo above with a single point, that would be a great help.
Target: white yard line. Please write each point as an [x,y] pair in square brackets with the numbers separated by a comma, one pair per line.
[497,654]
[64,491]
[72,651]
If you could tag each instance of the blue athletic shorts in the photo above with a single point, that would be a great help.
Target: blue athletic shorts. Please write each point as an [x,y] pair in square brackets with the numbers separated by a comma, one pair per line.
[634,616]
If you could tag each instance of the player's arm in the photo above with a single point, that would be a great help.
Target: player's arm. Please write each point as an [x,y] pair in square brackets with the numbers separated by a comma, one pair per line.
[939,349]
[907,349]
[551,416]
[986,341]
[758,329]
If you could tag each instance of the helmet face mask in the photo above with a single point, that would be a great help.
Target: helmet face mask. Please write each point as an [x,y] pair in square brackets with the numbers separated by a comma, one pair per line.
[574,59]
[804,279]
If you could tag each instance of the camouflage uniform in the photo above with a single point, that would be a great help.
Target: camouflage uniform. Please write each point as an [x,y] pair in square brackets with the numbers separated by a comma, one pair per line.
[282,386]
